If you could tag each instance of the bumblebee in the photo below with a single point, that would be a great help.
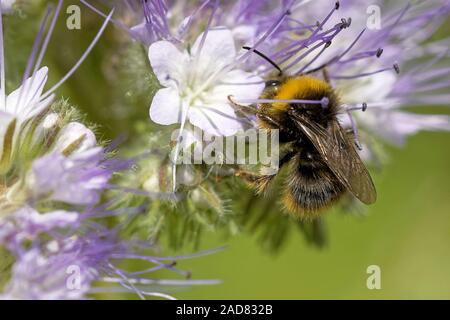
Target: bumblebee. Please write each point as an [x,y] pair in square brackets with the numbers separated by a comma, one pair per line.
[322,162]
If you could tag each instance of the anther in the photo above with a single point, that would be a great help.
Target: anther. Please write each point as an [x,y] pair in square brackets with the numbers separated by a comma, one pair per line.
[364,107]
[318,25]
[327,44]
[396,68]
[349,22]
[324,102]
[337,5]
[379,52]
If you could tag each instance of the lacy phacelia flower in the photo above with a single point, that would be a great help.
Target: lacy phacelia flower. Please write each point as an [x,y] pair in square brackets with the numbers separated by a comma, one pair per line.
[55,197]
[76,179]
[78,254]
[362,67]
[199,82]
[25,102]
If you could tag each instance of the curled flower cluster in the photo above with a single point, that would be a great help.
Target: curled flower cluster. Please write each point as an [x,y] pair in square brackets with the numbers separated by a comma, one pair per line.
[56,200]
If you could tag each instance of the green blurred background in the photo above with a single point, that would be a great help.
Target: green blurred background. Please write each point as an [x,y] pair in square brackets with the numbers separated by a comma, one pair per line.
[406,233]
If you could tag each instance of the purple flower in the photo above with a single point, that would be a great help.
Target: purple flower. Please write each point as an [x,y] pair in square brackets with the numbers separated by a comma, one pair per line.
[76,179]
[26,224]
[361,62]
[72,264]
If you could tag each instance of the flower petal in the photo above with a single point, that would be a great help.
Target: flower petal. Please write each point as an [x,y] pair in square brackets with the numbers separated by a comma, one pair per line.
[167,63]
[217,119]
[28,105]
[166,107]
[217,51]
[239,84]
[75,134]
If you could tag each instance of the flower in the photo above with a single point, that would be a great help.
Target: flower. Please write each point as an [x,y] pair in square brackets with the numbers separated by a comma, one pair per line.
[25,102]
[76,179]
[362,69]
[26,224]
[71,264]
[198,83]
[60,220]
[6,5]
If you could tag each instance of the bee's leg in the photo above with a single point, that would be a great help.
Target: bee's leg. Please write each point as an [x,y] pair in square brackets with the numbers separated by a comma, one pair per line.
[256,181]
[241,110]
[261,182]
[268,119]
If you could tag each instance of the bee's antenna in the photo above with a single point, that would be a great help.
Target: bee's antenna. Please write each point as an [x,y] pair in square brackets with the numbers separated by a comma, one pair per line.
[262,55]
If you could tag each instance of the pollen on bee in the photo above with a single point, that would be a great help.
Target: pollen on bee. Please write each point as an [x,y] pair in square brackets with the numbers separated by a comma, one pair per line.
[299,88]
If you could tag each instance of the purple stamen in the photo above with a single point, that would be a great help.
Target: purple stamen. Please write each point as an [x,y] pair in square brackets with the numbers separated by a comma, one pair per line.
[82,58]
[355,130]
[113,21]
[315,58]
[43,50]
[395,67]
[267,34]
[324,101]
[33,53]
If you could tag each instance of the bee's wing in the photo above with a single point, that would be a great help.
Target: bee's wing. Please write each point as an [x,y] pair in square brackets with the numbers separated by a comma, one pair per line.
[341,157]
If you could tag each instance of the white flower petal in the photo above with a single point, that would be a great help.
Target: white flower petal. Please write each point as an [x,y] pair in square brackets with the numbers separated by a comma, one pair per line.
[166,107]
[167,63]
[27,106]
[71,133]
[239,84]
[218,51]
[217,119]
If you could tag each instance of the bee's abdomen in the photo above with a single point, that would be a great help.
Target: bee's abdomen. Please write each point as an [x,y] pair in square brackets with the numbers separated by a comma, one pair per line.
[310,187]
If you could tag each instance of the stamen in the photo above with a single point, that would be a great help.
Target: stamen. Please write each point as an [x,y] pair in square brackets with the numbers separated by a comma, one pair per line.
[379,52]
[208,27]
[395,67]
[42,53]
[82,58]
[269,32]
[200,8]
[340,56]
[33,53]
[315,58]
[355,131]
[113,21]
[363,107]
[323,102]
[298,45]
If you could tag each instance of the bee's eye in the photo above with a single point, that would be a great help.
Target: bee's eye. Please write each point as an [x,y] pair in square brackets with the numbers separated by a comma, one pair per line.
[272,83]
